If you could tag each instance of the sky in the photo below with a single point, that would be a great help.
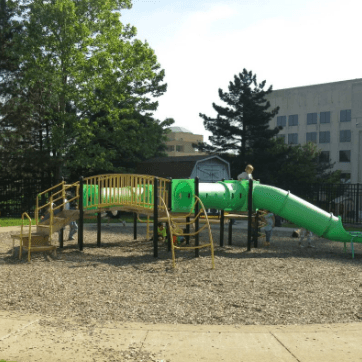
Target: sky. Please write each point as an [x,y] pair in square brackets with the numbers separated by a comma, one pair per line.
[203,44]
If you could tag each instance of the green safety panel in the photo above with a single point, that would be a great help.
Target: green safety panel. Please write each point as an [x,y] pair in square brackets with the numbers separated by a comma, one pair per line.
[182,193]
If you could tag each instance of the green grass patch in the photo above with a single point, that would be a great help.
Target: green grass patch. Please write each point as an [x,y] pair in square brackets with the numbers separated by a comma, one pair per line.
[8,221]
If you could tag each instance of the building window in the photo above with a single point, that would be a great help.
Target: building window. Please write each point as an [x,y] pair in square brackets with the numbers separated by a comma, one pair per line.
[282,121]
[345,136]
[293,120]
[170,148]
[345,115]
[344,156]
[325,117]
[281,136]
[311,137]
[324,137]
[312,118]
[292,138]
[324,156]
[179,148]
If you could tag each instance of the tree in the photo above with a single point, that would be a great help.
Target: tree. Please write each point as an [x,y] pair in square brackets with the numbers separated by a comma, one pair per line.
[82,76]
[296,164]
[241,127]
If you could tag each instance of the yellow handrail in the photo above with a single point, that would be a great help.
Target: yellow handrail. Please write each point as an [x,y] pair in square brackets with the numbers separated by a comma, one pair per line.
[21,235]
[173,247]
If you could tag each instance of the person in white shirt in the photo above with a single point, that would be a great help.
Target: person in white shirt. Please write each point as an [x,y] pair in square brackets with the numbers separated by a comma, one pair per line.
[268,229]
[247,174]
[72,225]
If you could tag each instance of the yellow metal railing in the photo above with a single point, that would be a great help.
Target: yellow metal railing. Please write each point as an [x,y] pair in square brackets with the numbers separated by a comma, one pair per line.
[173,230]
[56,201]
[129,191]
[22,233]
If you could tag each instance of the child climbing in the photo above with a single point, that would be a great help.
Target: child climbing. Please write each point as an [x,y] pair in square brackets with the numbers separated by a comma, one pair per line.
[247,174]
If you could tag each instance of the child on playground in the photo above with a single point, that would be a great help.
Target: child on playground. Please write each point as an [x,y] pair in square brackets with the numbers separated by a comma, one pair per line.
[301,234]
[161,232]
[247,174]
[268,229]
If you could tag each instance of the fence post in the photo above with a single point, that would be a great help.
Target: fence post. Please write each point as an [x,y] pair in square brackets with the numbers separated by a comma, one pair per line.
[357,204]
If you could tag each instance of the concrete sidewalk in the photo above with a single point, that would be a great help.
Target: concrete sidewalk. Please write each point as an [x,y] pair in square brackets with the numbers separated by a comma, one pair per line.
[34,338]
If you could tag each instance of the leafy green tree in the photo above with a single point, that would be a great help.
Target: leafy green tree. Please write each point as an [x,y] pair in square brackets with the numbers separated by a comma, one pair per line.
[242,126]
[84,82]
[296,164]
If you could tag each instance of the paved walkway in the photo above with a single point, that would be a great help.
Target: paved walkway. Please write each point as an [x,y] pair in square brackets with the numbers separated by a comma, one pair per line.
[31,338]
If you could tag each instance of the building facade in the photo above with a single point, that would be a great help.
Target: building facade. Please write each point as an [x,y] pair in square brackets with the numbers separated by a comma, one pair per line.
[329,115]
[180,142]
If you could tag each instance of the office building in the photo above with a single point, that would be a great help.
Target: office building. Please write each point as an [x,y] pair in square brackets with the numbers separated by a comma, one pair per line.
[329,115]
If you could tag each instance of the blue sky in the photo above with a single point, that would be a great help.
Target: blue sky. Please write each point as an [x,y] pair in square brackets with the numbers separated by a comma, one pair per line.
[203,44]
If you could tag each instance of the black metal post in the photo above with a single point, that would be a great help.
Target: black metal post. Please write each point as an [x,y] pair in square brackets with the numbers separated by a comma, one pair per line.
[197,239]
[187,230]
[250,212]
[222,220]
[135,226]
[155,217]
[230,236]
[99,228]
[61,231]
[99,218]
[169,194]
[61,237]
[357,204]
[81,219]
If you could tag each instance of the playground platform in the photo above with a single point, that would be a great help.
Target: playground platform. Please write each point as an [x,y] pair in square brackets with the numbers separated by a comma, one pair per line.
[36,338]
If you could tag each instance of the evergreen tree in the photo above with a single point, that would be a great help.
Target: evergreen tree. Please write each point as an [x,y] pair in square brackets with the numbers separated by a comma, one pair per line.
[242,126]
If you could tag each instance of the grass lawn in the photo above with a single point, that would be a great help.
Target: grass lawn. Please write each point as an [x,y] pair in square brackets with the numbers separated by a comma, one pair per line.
[8,221]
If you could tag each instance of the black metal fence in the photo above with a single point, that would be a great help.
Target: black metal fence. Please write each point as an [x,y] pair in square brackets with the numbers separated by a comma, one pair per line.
[343,200]
[19,195]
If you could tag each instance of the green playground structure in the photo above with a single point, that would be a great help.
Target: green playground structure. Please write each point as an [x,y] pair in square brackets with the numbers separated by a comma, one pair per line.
[230,196]
[233,196]
[140,193]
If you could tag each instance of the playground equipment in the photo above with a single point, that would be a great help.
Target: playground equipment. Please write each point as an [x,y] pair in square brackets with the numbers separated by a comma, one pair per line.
[164,198]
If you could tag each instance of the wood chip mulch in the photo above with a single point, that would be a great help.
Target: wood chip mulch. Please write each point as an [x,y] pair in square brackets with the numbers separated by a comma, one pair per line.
[122,281]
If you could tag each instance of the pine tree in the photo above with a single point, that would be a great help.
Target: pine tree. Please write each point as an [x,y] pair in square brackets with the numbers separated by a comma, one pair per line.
[242,127]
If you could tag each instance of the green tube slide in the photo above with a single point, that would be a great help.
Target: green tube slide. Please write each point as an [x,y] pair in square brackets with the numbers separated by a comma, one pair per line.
[233,196]
[302,213]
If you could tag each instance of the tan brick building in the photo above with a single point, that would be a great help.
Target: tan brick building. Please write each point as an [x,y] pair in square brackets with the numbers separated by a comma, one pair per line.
[180,142]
